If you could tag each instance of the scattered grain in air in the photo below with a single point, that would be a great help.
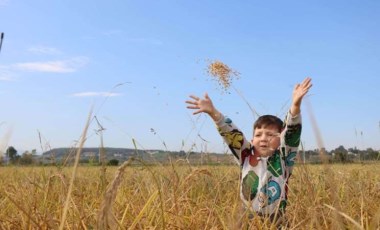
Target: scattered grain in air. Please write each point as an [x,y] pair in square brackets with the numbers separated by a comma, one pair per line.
[222,74]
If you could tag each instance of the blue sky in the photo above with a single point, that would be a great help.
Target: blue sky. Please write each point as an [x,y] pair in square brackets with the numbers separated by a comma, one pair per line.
[136,62]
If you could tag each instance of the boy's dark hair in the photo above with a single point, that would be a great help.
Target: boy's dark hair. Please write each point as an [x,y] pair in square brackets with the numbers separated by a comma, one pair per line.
[268,120]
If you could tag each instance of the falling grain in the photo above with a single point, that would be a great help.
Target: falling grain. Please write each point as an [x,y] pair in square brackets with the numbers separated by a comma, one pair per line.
[223,74]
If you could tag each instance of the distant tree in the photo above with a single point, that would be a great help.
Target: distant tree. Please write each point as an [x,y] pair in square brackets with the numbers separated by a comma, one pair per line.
[341,157]
[12,154]
[113,162]
[362,155]
[372,154]
[182,153]
[324,151]
[341,154]
[341,149]
[26,158]
[84,161]
[353,150]
[93,161]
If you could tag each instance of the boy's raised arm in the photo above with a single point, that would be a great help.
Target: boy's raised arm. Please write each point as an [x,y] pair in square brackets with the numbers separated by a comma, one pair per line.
[299,91]
[233,137]
[293,126]
[204,105]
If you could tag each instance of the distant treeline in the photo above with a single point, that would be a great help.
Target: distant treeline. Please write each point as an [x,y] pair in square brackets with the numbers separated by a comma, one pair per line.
[115,156]
[340,155]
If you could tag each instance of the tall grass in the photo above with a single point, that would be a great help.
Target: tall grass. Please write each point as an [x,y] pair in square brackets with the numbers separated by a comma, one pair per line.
[182,197]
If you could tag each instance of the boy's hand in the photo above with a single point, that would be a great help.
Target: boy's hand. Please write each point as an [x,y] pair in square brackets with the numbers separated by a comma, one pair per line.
[203,105]
[300,90]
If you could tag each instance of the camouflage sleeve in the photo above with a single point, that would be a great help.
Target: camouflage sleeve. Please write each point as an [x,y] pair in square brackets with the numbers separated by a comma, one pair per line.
[234,138]
[291,138]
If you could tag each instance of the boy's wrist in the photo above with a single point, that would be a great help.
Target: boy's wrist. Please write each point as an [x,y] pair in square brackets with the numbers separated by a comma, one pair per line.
[215,115]
[295,110]
[296,103]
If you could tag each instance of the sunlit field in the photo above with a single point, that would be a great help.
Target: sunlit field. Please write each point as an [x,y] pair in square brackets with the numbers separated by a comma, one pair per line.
[181,196]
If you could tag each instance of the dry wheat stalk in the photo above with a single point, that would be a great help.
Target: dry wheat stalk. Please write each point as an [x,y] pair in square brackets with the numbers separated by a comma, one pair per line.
[105,218]
[74,173]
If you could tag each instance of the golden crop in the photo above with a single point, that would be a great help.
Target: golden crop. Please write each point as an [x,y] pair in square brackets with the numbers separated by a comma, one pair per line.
[181,196]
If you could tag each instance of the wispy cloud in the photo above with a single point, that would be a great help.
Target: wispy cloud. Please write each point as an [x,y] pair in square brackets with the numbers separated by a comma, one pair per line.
[5,74]
[44,50]
[6,77]
[128,39]
[152,41]
[4,2]
[96,94]
[115,32]
[52,66]
[60,66]
[112,32]
[88,37]
[102,34]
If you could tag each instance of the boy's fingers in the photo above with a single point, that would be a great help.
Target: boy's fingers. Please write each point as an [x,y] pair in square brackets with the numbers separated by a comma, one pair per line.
[306,81]
[307,86]
[192,107]
[206,96]
[191,102]
[194,97]
[296,86]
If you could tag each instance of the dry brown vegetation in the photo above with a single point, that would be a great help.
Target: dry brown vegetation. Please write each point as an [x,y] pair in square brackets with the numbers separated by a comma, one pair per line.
[182,197]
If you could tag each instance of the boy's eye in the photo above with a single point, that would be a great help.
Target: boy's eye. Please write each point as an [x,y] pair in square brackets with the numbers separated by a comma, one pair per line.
[273,134]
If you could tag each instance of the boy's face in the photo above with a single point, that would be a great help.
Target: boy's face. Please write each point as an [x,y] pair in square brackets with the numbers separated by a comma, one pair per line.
[266,140]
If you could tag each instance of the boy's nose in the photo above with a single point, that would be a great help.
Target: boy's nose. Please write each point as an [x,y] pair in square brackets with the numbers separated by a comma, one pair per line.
[266,138]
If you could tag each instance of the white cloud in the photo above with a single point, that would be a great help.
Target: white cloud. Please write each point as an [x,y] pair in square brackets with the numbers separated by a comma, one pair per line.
[62,66]
[6,77]
[95,94]
[44,50]
[52,66]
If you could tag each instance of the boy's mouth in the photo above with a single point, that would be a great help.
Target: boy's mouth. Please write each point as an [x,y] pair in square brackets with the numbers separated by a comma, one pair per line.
[265,150]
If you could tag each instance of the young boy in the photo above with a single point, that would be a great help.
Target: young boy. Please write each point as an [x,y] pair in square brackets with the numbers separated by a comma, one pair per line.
[267,160]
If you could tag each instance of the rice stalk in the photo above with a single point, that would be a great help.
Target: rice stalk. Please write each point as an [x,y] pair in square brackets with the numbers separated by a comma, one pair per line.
[221,220]
[124,214]
[147,204]
[345,216]
[317,133]
[71,185]
[4,143]
[193,174]
[22,210]
[159,191]
[105,217]
[375,223]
